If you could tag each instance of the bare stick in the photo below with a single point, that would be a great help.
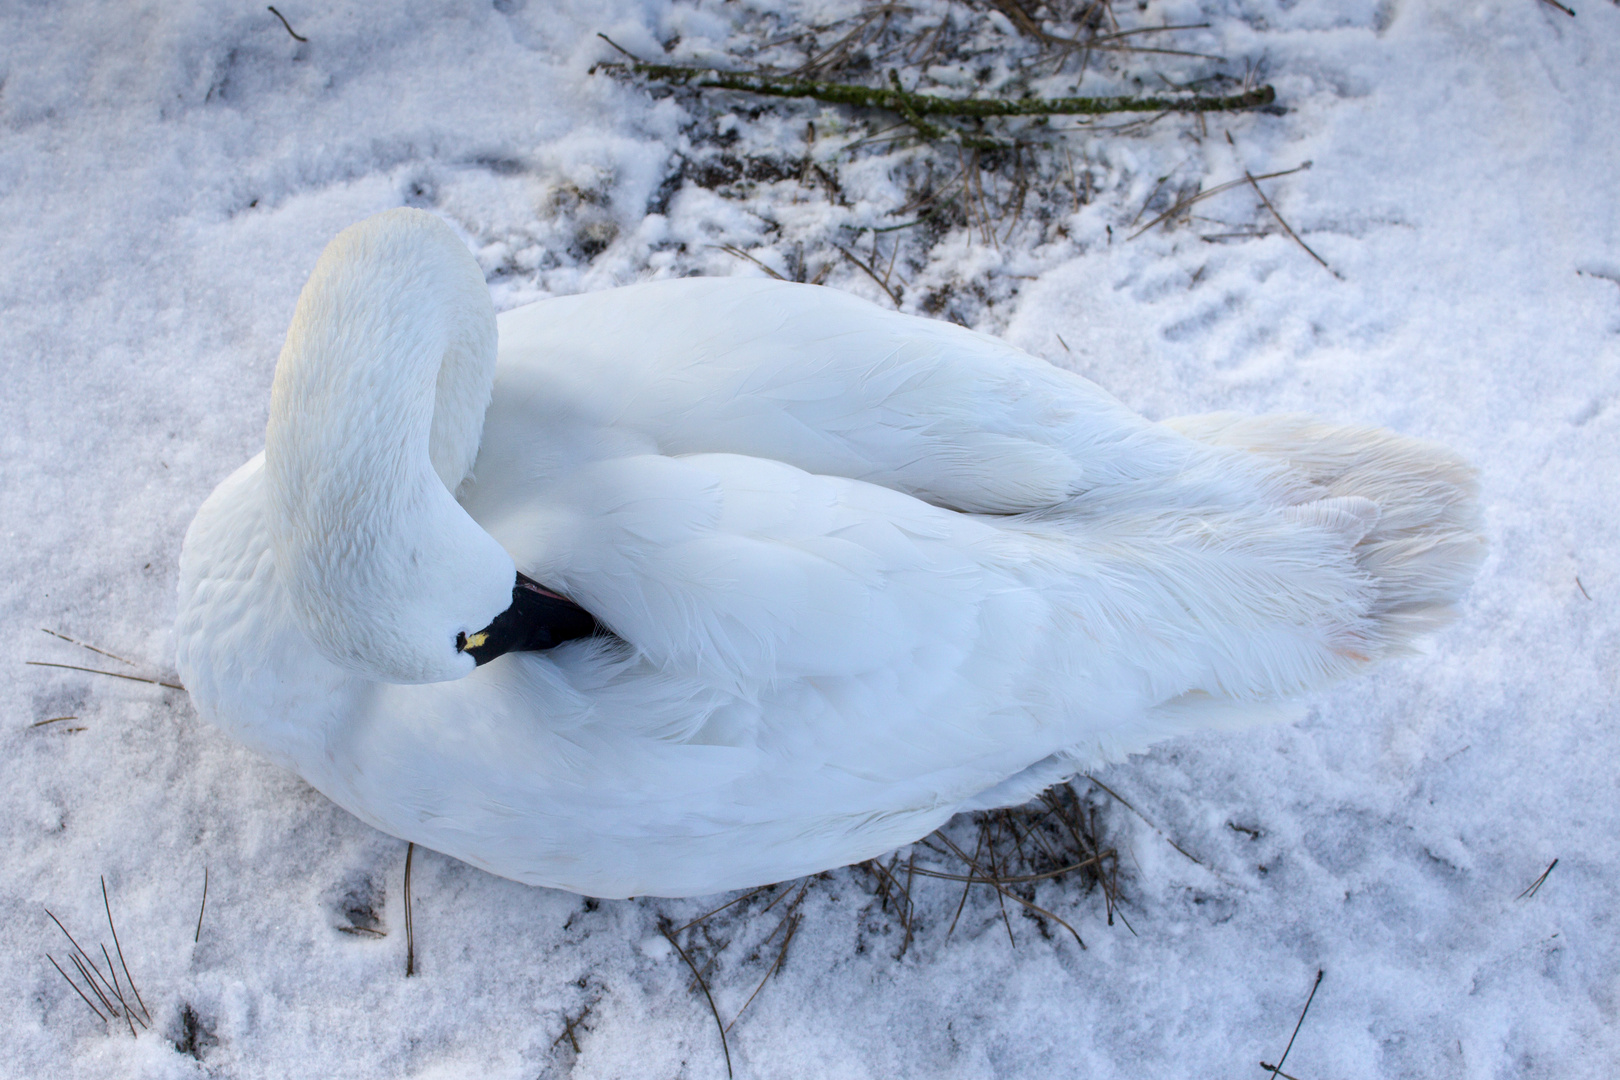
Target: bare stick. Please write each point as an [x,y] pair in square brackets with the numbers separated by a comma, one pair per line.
[1276,1070]
[1578,585]
[288,25]
[108,905]
[58,719]
[1554,3]
[92,648]
[410,932]
[1288,229]
[202,907]
[1535,886]
[911,104]
[75,986]
[114,674]
[705,987]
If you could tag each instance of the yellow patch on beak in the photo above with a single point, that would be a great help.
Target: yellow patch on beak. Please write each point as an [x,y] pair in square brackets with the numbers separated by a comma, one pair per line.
[475,640]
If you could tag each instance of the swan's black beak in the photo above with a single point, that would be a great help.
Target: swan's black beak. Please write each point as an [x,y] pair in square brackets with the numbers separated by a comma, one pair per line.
[538,619]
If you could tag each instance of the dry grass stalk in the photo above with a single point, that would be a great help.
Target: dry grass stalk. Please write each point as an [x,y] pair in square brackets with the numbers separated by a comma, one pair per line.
[1182,204]
[1162,834]
[725,1047]
[96,671]
[92,648]
[1276,1070]
[1014,851]
[1289,229]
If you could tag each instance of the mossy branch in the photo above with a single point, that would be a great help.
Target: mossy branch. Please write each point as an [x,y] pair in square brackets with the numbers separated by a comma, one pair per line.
[914,106]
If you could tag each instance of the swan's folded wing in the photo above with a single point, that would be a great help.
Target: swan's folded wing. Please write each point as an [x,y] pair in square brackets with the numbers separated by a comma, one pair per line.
[748,570]
[824,381]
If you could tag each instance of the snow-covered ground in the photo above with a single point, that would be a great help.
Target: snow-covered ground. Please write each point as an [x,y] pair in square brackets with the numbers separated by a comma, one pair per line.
[168,174]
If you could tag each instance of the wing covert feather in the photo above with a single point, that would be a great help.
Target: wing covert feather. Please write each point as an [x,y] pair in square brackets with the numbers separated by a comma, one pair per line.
[751,367]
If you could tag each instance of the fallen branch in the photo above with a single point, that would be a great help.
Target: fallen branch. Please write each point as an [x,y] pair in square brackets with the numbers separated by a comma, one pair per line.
[914,106]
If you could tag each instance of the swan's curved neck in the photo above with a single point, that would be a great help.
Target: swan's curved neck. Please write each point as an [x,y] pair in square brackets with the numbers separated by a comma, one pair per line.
[375,417]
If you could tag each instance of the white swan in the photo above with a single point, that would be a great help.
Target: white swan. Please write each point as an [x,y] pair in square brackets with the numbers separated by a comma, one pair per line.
[862,570]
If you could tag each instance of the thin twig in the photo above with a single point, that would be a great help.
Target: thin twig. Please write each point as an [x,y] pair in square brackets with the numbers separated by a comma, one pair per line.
[568,1029]
[1578,585]
[722,907]
[1289,229]
[1554,3]
[1276,1070]
[725,1048]
[1155,828]
[1535,886]
[288,25]
[201,907]
[410,933]
[52,720]
[114,674]
[108,905]
[92,648]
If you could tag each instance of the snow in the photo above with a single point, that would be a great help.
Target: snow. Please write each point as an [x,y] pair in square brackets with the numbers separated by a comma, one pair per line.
[168,175]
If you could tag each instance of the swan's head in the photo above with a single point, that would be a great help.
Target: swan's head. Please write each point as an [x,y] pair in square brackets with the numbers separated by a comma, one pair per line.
[375,418]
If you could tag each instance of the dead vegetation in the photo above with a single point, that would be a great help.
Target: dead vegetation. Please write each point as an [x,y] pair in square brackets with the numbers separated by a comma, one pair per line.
[1024,871]
[103,987]
[928,130]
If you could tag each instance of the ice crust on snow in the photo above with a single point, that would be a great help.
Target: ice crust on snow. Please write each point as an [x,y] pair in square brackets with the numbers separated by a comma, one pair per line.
[169,174]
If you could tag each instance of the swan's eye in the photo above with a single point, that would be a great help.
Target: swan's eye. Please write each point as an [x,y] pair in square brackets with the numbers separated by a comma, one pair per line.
[461,641]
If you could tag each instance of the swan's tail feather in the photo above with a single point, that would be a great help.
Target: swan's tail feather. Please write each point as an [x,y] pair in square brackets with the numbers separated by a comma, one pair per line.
[1409,508]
